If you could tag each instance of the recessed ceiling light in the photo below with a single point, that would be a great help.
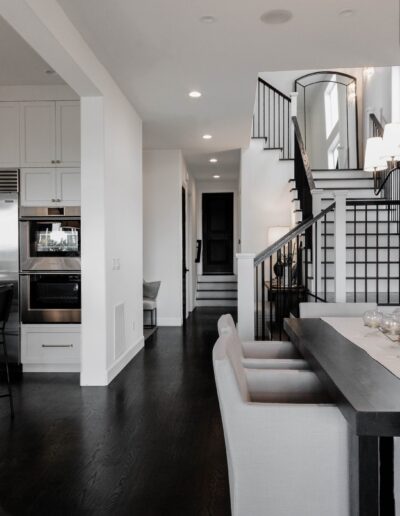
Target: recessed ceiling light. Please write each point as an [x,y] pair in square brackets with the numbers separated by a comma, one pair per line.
[195,94]
[213,160]
[208,19]
[276,16]
[346,13]
[207,136]
[216,176]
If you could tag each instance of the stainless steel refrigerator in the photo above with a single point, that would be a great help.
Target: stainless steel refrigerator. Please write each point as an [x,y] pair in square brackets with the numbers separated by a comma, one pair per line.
[9,255]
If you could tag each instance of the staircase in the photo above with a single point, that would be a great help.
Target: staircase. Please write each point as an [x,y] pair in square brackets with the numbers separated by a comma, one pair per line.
[216,290]
[357,183]
[372,252]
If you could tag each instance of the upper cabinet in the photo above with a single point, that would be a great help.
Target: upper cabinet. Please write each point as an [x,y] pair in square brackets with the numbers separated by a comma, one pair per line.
[9,134]
[50,134]
[68,135]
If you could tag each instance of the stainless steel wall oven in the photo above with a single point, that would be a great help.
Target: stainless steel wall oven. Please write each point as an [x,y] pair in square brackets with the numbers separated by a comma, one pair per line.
[50,298]
[50,239]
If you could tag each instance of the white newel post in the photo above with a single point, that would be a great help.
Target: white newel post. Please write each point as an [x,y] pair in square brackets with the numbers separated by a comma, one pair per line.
[246,295]
[293,104]
[340,246]
[317,243]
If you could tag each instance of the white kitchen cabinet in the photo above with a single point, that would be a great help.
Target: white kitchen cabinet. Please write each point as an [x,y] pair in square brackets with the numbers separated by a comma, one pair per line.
[38,134]
[50,134]
[51,347]
[9,134]
[68,186]
[38,186]
[68,134]
[50,187]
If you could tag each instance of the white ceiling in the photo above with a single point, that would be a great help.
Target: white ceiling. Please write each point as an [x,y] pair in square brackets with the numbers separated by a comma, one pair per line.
[20,65]
[227,166]
[158,51]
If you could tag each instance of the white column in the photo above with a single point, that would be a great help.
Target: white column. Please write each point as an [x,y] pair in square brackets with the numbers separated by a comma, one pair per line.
[340,246]
[317,242]
[245,268]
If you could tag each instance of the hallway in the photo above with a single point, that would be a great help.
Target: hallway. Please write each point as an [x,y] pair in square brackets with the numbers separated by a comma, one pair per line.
[151,444]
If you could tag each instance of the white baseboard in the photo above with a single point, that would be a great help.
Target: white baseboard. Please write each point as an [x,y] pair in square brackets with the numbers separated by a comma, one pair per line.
[124,360]
[169,321]
[51,368]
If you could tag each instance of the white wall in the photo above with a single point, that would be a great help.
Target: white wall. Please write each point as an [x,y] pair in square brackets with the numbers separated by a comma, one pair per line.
[111,166]
[395,94]
[265,195]
[218,186]
[162,251]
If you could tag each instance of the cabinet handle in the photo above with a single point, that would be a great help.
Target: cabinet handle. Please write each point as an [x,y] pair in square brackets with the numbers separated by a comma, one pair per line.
[53,160]
[57,346]
[58,161]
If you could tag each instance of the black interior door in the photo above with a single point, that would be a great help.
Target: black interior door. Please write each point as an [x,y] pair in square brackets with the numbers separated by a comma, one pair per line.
[184,268]
[217,233]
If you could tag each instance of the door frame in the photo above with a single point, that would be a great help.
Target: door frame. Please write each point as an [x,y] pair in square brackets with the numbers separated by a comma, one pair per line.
[222,187]
[228,198]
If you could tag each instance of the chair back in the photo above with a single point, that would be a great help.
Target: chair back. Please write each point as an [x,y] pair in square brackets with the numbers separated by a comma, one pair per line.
[6,297]
[315,310]
[226,325]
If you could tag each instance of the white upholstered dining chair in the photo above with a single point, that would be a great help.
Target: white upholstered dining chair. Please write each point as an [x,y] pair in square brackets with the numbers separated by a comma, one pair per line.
[287,451]
[263,354]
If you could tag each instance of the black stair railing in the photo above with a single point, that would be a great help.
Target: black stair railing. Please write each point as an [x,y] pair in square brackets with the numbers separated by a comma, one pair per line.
[289,272]
[386,182]
[272,119]
[372,251]
[302,172]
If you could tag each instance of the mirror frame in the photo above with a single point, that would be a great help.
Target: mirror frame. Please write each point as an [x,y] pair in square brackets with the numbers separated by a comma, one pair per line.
[351,80]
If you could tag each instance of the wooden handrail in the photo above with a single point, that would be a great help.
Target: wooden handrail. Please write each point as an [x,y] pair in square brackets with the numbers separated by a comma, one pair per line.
[303,152]
[268,85]
[293,233]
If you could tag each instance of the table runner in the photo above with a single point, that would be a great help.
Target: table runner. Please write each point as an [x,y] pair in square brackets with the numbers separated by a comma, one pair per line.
[371,340]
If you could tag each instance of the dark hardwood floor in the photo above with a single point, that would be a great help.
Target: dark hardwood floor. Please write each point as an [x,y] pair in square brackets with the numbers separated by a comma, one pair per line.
[149,444]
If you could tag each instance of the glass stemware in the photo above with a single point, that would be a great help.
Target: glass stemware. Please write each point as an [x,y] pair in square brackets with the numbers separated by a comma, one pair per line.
[373,318]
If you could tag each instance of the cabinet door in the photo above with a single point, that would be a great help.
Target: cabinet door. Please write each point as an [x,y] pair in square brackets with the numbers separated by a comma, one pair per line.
[68,136]
[69,186]
[38,134]
[9,134]
[38,187]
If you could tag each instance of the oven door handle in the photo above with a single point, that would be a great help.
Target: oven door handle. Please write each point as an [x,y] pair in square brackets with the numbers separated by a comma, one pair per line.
[57,346]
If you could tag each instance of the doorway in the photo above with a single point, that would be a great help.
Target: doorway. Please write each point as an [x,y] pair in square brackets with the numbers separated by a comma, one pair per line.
[217,209]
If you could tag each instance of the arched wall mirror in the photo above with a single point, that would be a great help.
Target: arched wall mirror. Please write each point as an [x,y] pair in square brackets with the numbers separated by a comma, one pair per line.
[327,116]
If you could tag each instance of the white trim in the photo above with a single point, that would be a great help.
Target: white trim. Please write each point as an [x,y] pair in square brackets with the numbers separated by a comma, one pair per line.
[51,368]
[169,321]
[124,360]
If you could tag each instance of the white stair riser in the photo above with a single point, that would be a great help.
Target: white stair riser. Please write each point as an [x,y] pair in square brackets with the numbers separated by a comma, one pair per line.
[379,241]
[216,294]
[216,286]
[224,302]
[383,216]
[216,278]
[360,270]
[360,285]
[344,183]
[360,255]
[362,193]
[341,174]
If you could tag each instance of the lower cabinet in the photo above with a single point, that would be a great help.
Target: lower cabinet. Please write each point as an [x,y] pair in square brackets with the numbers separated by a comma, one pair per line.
[51,347]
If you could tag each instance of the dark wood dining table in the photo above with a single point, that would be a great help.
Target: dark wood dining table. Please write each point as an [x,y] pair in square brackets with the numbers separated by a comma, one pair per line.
[368,395]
